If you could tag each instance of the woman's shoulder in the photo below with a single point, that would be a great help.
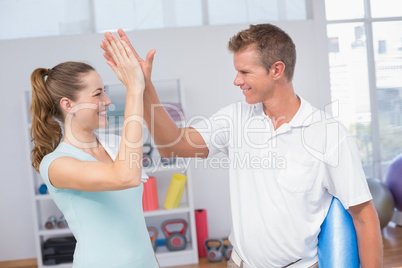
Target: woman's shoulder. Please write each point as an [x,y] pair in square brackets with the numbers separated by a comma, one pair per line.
[60,151]
[63,150]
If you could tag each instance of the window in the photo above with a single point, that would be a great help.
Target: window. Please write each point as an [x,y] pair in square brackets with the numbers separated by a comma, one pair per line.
[27,18]
[255,11]
[365,56]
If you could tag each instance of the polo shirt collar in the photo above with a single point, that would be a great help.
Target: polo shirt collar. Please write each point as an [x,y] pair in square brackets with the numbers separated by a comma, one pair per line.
[305,115]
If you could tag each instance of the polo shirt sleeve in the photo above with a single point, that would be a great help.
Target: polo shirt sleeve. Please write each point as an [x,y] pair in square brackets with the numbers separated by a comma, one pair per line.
[346,179]
[216,130]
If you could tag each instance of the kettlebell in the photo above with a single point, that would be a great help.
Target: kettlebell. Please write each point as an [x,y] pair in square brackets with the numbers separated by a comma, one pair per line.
[227,249]
[153,233]
[175,240]
[214,253]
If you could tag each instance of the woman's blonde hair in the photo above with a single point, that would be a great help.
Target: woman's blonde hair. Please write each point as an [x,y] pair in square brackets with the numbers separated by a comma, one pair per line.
[49,86]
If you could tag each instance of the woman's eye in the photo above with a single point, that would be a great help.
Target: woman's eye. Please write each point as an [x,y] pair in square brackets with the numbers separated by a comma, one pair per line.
[97,94]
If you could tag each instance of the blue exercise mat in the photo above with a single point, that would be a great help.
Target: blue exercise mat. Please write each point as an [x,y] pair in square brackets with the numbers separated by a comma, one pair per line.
[337,241]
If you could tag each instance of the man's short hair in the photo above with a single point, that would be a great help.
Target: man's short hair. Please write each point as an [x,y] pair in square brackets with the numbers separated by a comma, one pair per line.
[272,44]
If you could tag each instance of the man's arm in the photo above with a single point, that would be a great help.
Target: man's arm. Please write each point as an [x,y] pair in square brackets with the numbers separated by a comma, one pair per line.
[369,239]
[171,140]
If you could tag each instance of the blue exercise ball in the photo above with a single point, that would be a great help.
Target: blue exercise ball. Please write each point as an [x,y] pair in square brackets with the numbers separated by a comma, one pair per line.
[394,180]
[337,241]
[383,201]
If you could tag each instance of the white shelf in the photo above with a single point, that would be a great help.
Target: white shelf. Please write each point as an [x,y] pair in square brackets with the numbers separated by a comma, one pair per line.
[175,168]
[43,197]
[41,204]
[168,258]
[63,231]
[163,211]
[61,265]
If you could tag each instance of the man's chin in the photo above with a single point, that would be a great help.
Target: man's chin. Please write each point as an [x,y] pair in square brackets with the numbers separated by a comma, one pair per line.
[252,101]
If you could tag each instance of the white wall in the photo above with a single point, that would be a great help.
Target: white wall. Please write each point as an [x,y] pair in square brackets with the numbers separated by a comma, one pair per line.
[197,56]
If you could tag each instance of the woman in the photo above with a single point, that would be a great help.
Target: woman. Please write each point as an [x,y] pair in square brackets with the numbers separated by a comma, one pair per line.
[97,186]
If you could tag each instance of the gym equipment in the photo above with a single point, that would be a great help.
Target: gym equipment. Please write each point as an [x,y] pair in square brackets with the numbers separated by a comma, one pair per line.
[175,191]
[214,249]
[227,249]
[62,223]
[201,226]
[394,180]
[167,161]
[43,189]
[153,233]
[150,195]
[51,223]
[175,240]
[383,201]
[58,250]
[337,241]
[146,155]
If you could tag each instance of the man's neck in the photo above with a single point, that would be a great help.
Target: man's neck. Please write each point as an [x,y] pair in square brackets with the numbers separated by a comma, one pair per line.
[282,107]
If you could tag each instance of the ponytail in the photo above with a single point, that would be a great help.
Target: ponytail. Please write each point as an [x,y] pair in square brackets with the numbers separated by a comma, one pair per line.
[45,130]
[49,86]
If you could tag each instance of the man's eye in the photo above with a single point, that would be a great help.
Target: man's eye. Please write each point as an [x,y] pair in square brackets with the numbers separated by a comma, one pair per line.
[97,94]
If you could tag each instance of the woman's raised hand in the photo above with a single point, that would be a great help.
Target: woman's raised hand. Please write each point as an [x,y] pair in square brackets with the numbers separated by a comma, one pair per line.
[146,65]
[124,63]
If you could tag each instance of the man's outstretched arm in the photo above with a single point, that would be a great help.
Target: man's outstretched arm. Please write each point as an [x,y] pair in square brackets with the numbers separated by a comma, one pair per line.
[171,140]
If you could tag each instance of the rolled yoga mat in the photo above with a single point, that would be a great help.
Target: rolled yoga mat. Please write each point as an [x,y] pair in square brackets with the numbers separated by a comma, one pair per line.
[337,241]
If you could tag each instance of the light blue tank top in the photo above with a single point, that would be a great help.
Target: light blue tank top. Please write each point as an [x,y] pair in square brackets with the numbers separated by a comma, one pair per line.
[109,226]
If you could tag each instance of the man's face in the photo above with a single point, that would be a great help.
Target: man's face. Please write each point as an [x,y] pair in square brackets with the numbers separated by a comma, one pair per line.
[252,78]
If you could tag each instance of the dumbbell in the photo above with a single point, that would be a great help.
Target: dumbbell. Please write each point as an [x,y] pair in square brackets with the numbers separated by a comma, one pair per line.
[214,249]
[227,248]
[51,222]
[62,223]
[153,233]
[168,161]
[146,155]
[175,240]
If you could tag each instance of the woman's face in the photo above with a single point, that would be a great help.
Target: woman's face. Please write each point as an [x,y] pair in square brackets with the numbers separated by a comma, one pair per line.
[88,111]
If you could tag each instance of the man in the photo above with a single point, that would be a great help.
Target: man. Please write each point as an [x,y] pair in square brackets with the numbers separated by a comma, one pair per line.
[287,159]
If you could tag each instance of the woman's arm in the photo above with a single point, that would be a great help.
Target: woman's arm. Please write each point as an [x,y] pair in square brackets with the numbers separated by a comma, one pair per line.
[170,140]
[125,172]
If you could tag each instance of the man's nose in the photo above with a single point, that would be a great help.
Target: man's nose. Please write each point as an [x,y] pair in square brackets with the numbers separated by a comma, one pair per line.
[238,81]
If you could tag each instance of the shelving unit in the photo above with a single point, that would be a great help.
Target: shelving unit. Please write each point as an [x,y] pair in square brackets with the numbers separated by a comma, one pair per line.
[43,205]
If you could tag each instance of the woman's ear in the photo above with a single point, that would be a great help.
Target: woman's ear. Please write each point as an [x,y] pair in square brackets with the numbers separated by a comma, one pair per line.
[278,68]
[66,105]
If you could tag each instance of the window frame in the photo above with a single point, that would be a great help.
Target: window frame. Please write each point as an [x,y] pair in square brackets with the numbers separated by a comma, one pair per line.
[380,167]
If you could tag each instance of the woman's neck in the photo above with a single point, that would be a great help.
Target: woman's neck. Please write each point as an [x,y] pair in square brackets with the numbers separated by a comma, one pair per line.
[82,139]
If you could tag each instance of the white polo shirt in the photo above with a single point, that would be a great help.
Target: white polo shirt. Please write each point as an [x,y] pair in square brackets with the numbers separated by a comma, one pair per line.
[282,182]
